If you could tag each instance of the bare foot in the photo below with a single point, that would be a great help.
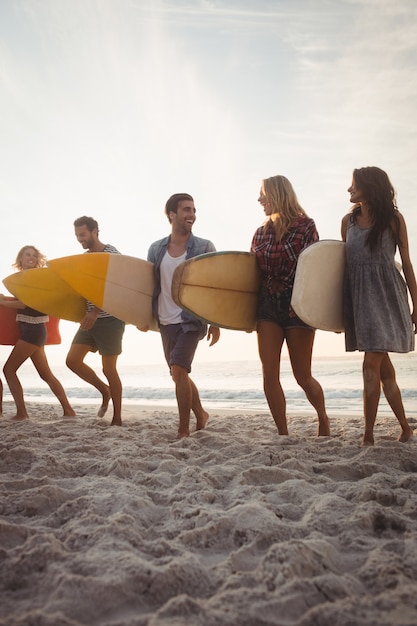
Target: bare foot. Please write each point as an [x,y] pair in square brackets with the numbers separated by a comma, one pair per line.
[20,418]
[202,420]
[116,421]
[104,406]
[181,434]
[281,424]
[406,435]
[324,427]
[367,442]
[70,413]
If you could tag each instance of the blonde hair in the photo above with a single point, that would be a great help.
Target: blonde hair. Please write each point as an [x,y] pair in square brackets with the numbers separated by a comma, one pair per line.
[282,199]
[40,260]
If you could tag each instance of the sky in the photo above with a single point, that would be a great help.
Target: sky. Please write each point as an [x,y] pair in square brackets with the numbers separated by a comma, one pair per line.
[107,107]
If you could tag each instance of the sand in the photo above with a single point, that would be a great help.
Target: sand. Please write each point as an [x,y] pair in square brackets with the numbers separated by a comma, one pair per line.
[233,526]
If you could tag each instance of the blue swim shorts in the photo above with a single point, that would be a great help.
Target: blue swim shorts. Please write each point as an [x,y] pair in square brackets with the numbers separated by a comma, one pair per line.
[179,345]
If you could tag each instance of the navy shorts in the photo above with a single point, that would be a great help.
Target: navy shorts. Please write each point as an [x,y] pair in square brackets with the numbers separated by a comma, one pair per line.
[276,308]
[179,345]
[33,333]
[105,336]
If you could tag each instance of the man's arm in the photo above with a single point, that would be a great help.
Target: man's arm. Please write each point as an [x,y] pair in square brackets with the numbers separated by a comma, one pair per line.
[213,333]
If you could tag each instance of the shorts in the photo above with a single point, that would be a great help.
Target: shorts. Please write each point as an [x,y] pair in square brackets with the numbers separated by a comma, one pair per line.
[105,336]
[276,307]
[179,345]
[33,333]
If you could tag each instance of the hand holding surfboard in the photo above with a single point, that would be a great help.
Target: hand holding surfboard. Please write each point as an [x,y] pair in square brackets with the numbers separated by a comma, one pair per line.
[220,288]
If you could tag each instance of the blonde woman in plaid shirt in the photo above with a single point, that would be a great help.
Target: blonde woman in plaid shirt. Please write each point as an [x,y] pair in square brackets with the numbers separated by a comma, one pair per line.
[277,245]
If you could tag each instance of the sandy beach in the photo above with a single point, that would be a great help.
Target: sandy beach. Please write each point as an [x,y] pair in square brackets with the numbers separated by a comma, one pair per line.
[233,526]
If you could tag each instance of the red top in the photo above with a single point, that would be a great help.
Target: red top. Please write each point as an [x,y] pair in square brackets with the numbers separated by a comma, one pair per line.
[278,260]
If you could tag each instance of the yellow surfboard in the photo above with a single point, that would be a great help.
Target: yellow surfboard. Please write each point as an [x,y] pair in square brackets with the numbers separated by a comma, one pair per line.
[43,290]
[116,283]
[317,296]
[220,288]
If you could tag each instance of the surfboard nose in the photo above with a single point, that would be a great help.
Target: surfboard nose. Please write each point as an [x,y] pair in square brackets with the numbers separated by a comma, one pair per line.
[43,290]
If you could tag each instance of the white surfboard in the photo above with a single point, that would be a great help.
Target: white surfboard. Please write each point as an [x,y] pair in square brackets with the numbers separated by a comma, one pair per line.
[116,283]
[317,296]
[220,288]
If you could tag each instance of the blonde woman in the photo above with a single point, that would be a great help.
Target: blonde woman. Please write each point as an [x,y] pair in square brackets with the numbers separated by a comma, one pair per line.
[31,343]
[277,245]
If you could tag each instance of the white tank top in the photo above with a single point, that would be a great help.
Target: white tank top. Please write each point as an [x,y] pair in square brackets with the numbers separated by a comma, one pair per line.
[168,311]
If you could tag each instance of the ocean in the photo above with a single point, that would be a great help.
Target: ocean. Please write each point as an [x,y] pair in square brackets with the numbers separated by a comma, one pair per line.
[235,385]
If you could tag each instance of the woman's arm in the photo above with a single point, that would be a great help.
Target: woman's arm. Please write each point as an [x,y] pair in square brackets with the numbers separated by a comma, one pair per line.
[344,226]
[408,269]
[11,304]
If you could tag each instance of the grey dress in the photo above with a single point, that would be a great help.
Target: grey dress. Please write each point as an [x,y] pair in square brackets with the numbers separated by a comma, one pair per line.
[376,311]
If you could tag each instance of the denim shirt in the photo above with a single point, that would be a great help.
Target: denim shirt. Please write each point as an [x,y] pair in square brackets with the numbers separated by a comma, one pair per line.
[156,252]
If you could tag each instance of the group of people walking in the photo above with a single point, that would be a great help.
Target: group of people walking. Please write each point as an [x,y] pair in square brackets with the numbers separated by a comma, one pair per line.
[377,314]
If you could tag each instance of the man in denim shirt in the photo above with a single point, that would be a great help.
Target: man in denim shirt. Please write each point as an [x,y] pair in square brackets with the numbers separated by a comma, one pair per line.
[180,331]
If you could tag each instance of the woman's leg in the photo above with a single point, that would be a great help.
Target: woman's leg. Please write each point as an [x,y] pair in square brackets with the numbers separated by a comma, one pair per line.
[41,364]
[393,396]
[300,348]
[371,370]
[20,353]
[270,340]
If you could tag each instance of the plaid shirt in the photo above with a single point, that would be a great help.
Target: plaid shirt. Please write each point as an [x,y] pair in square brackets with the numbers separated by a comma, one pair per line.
[277,260]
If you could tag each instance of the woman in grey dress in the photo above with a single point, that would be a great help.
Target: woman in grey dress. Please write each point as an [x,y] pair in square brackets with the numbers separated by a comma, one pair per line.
[376,309]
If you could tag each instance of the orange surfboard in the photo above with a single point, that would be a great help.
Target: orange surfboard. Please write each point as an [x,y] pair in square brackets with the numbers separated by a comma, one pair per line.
[9,328]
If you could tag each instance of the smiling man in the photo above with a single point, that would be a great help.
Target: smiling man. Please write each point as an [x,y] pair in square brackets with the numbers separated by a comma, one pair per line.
[180,331]
[98,331]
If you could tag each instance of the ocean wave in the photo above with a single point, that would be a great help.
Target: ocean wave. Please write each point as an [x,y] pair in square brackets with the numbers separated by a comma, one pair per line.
[348,400]
[236,385]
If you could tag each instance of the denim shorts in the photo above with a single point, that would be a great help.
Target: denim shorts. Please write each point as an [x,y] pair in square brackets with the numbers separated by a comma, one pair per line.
[33,333]
[179,345]
[105,336]
[276,307]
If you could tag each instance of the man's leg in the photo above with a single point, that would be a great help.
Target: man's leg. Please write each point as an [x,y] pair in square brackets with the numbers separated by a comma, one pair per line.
[200,414]
[179,349]
[75,362]
[115,385]
[184,394]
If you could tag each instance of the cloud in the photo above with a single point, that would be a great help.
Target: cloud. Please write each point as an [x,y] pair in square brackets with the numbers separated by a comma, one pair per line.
[109,107]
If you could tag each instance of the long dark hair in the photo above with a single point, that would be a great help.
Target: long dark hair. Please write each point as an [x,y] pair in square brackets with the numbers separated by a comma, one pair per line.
[379,194]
